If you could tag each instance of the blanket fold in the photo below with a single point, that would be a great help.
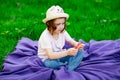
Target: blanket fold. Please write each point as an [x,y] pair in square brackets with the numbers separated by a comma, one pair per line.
[101,62]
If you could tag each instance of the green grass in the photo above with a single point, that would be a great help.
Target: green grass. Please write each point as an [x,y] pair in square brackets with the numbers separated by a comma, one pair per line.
[89,19]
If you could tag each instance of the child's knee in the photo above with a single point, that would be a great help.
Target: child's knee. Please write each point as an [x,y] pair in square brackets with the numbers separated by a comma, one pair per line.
[80,52]
[47,63]
[51,64]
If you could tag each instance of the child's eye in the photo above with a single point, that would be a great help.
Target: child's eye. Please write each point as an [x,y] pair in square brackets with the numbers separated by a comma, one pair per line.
[58,24]
[63,23]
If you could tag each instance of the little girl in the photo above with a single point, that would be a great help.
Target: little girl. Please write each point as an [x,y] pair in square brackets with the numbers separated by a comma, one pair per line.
[52,41]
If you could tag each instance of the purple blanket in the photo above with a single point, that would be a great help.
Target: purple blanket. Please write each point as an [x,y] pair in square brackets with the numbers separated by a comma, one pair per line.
[101,62]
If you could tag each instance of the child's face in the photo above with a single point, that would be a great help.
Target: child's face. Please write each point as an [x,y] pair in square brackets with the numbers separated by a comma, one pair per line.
[60,24]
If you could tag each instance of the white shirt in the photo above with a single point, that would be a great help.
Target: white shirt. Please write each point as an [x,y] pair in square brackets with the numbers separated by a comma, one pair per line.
[46,40]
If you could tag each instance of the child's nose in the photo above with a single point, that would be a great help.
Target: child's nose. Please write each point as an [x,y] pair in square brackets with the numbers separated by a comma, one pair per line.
[61,26]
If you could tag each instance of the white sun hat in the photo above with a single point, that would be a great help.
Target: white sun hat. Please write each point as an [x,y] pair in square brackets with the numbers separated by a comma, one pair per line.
[55,12]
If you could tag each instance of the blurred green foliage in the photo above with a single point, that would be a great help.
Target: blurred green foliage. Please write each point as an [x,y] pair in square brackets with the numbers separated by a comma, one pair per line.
[89,19]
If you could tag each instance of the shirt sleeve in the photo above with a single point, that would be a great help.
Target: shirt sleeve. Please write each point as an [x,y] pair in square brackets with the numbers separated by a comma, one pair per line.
[44,41]
[67,36]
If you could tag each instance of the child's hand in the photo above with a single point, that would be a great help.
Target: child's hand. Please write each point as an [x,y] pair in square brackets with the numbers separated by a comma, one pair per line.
[79,46]
[72,51]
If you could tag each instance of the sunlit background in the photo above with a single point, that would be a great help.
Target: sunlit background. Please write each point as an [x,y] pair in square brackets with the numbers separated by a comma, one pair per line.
[89,19]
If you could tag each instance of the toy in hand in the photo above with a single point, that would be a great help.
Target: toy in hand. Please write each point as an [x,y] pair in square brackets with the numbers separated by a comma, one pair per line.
[79,45]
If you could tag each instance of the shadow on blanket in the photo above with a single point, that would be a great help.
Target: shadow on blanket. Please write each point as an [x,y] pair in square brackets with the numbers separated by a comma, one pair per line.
[101,62]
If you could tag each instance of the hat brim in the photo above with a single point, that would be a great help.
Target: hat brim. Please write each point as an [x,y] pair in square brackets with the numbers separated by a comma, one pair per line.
[56,16]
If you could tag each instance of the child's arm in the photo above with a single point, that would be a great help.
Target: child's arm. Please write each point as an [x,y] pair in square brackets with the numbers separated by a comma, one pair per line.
[76,45]
[79,45]
[57,55]
[73,43]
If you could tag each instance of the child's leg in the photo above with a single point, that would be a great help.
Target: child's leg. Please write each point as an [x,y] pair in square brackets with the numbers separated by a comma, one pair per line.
[74,61]
[54,64]
[65,59]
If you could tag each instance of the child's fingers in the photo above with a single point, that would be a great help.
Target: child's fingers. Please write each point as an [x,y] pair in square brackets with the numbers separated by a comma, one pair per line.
[79,45]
